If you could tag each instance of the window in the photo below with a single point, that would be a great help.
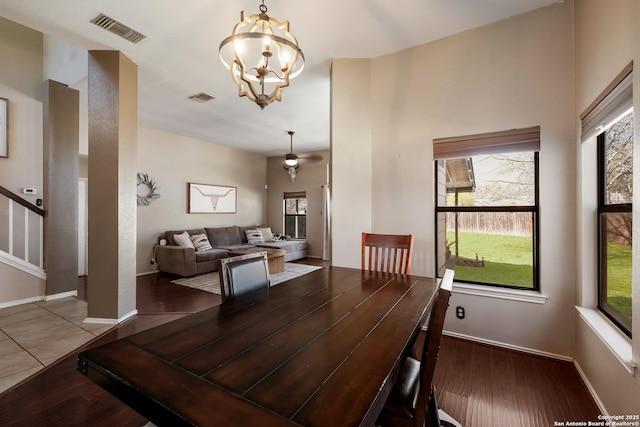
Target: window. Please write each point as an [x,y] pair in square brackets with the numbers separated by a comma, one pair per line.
[487,208]
[610,119]
[615,190]
[295,215]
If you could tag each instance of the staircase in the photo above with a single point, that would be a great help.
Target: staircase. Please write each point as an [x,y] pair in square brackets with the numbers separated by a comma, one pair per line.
[21,234]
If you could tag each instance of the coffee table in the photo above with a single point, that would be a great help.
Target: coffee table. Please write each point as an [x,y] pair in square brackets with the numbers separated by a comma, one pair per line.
[275,257]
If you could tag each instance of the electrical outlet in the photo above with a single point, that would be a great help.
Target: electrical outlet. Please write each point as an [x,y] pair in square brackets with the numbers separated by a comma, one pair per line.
[153,261]
[460,312]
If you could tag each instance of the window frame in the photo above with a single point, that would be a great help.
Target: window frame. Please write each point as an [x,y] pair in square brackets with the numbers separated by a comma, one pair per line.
[294,196]
[535,235]
[603,208]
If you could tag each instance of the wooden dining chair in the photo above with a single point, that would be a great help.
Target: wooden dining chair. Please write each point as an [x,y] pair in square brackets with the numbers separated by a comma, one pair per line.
[243,274]
[387,252]
[412,402]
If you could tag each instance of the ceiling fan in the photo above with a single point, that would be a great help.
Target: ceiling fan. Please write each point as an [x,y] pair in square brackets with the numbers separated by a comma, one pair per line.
[293,161]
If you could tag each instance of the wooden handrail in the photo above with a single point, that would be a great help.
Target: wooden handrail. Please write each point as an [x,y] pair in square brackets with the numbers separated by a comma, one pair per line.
[21,201]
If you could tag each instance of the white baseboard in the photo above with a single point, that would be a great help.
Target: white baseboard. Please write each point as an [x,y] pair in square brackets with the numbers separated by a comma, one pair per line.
[38,298]
[509,346]
[21,301]
[592,390]
[61,295]
[147,273]
[106,321]
[100,321]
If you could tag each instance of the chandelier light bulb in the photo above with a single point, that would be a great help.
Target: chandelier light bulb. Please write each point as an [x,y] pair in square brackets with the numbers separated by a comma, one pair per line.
[238,46]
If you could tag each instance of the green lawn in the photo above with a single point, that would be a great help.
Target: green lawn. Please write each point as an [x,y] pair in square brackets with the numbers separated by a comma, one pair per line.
[508,261]
[498,274]
[619,277]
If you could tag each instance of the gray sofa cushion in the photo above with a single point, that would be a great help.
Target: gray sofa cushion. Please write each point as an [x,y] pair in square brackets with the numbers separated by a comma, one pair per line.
[236,247]
[221,237]
[169,234]
[294,249]
[287,245]
[211,254]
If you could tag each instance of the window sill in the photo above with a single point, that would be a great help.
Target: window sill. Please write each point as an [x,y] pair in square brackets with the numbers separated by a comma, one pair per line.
[617,342]
[502,293]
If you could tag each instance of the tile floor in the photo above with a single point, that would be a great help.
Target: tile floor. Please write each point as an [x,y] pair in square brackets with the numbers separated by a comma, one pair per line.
[35,335]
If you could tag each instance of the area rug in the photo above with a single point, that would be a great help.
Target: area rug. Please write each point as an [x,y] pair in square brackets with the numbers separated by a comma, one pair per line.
[210,282]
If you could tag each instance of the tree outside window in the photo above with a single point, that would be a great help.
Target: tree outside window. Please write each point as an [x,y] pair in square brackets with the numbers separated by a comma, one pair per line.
[615,178]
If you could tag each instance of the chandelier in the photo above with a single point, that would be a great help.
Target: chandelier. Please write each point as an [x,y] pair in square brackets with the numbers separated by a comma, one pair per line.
[262,55]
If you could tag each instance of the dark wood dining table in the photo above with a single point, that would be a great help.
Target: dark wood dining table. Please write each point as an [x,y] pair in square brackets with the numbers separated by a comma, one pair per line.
[322,349]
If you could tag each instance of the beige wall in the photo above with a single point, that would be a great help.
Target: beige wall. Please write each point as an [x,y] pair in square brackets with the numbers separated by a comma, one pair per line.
[24,166]
[351,173]
[607,37]
[21,50]
[17,287]
[21,84]
[310,178]
[513,74]
[173,161]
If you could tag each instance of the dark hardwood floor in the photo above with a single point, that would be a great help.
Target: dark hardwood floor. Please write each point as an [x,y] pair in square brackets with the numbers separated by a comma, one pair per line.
[481,385]
[477,384]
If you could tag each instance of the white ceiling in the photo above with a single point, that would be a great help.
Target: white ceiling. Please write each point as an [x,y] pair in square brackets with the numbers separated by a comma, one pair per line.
[179,57]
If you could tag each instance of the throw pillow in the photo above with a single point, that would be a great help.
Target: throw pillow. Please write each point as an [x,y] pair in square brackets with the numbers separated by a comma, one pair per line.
[266,234]
[201,242]
[183,239]
[254,237]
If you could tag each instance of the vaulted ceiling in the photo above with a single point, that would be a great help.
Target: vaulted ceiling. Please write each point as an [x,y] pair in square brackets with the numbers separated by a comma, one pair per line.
[179,56]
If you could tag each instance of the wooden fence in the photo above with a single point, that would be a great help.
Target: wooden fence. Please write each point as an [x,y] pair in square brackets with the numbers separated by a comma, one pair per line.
[521,224]
[508,223]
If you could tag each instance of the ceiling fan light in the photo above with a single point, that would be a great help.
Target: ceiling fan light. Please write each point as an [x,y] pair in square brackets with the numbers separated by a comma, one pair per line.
[290,160]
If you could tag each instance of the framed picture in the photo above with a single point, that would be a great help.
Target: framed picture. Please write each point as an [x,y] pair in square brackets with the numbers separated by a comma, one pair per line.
[4,127]
[205,198]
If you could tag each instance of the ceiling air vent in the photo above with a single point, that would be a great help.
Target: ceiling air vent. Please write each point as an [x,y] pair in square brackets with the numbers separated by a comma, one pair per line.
[117,28]
[201,97]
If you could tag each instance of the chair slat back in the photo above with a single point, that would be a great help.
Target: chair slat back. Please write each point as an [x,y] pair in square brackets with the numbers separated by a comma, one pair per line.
[431,347]
[387,252]
[243,274]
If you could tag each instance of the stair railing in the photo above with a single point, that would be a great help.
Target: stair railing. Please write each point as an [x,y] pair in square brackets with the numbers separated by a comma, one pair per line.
[18,216]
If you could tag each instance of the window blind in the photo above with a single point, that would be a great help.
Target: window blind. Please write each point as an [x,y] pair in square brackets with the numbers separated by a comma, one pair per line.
[295,195]
[609,105]
[508,141]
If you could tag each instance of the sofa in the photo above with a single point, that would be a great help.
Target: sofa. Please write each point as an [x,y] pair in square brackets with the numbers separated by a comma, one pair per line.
[196,251]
